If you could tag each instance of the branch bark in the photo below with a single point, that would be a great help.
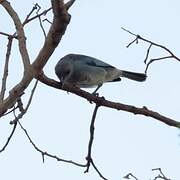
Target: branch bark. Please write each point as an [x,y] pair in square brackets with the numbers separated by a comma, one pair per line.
[100,101]
[20,33]
[6,67]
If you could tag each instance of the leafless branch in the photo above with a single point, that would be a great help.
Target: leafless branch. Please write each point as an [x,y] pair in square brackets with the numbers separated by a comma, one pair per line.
[92,127]
[8,35]
[20,105]
[103,102]
[5,74]
[29,14]
[129,175]
[60,21]
[9,138]
[27,20]
[156,59]
[40,21]
[44,153]
[97,170]
[161,175]
[88,158]
[20,33]
[147,54]
[138,37]
[47,20]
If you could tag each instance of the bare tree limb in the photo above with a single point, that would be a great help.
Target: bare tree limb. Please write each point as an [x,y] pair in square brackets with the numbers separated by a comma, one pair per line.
[156,59]
[97,170]
[138,37]
[129,175]
[6,67]
[20,105]
[161,175]
[60,21]
[9,138]
[45,153]
[115,105]
[8,35]
[20,33]
[57,30]
[28,19]
[40,21]
[147,54]
[92,127]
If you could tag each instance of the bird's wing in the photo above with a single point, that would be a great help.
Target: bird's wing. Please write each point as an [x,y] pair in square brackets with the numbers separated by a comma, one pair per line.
[91,61]
[87,75]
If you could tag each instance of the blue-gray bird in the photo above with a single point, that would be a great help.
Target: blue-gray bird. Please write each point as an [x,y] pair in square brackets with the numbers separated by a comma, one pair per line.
[84,72]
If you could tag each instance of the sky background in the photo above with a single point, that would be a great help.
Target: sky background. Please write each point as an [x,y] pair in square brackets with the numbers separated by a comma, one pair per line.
[59,122]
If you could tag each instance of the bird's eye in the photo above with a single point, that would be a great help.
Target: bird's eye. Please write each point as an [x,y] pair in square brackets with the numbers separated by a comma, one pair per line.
[66,72]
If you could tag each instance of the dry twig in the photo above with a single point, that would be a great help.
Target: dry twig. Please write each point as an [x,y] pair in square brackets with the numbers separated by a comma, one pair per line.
[138,37]
[129,175]
[161,175]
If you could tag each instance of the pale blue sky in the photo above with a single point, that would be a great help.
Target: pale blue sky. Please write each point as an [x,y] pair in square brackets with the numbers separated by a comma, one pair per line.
[59,122]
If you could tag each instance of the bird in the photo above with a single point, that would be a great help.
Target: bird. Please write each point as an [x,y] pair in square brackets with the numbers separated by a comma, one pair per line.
[85,71]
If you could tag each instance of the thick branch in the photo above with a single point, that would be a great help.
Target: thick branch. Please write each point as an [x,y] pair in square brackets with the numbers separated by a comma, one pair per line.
[57,29]
[115,105]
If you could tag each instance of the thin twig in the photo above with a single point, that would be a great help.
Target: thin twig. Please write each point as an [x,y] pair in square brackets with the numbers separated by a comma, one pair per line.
[156,59]
[129,175]
[40,21]
[36,16]
[97,170]
[138,37]
[29,14]
[47,20]
[161,175]
[14,108]
[147,54]
[6,67]
[8,35]
[20,105]
[44,153]
[92,127]
[9,138]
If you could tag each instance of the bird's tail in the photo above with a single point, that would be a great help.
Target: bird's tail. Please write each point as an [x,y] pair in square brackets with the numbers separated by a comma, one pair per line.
[134,76]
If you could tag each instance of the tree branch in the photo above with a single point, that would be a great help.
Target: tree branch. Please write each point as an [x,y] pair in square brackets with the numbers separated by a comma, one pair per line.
[129,175]
[6,67]
[20,33]
[161,175]
[138,37]
[9,138]
[115,105]
[44,153]
[57,30]
[92,127]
